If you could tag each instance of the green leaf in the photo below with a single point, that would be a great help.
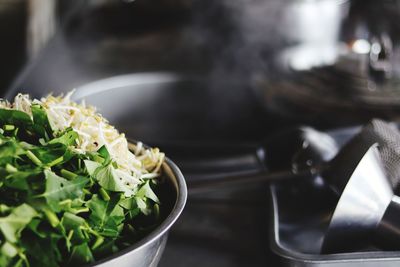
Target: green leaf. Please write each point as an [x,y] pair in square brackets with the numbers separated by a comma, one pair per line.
[10,150]
[8,254]
[130,205]
[142,205]
[17,183]
[106,216]
[19,179]
[52,155]
[15,117]
[5,209]
[43,251]
[68,138]
[81,254]
[34,227]
[104,153]
[107,178]
[12,225]
[74,224]
[74,206]
[8,250]
[146,191]
[41,123]
[72,221]
[58,189]
[91,166]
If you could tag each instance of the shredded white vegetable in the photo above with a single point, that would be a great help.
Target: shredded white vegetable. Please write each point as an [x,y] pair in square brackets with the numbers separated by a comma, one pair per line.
[94,131]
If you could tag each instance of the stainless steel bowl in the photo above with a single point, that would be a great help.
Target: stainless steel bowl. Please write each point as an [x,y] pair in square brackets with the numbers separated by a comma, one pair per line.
[103,95]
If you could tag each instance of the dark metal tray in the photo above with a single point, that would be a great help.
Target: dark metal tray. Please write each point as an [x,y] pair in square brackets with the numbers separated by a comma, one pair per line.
[301,211]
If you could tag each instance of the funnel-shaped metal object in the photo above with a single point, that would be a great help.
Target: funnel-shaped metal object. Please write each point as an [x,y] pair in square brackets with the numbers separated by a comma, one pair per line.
[366,206]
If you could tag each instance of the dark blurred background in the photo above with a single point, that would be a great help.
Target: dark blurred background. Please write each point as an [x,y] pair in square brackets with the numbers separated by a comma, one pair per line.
[210,72]
[327,63]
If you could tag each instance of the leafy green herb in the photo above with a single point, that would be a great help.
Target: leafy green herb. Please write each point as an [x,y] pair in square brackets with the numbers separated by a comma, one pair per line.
[107,177]
[41,123]
[15,117]
[68,138]
[12,225]
[59,189]
[106,216]
[60,206]
[81,254]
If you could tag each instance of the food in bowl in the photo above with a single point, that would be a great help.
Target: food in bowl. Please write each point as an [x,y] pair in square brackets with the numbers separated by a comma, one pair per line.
[72,189]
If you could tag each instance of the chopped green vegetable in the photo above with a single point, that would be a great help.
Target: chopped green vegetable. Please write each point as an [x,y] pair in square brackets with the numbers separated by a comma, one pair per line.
[8,127]
[58,189]
[12,225]
[69,194]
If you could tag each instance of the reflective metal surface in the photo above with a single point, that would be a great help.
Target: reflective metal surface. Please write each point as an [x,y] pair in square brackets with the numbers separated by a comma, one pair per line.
[298,226]
[302,214]
[361,206]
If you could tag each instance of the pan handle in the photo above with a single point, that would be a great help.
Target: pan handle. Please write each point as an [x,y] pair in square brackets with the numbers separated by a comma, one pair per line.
[282,156]
[204,160]
[208,166]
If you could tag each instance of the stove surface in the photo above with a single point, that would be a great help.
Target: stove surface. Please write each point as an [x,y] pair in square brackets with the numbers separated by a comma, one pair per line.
[218,230]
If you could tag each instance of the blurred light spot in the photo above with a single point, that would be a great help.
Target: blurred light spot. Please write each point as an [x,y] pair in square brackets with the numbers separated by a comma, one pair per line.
[376,48]
[361,46]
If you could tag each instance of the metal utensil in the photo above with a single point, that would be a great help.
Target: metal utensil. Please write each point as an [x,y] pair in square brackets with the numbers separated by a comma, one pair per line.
[367,206]
[298,221]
